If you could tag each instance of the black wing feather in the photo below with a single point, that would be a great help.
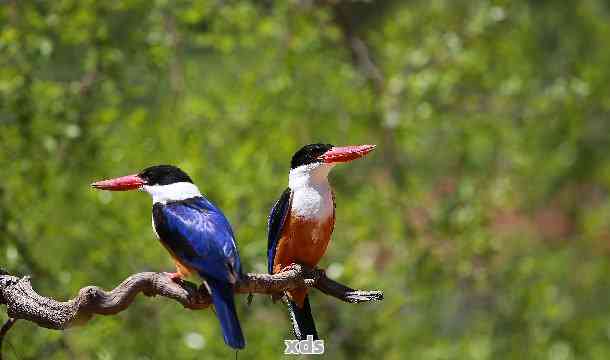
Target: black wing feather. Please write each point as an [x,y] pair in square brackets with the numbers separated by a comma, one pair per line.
[276,221]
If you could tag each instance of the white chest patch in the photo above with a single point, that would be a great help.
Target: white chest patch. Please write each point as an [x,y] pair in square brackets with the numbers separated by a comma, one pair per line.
[152,218]
[312,202]
[311,193]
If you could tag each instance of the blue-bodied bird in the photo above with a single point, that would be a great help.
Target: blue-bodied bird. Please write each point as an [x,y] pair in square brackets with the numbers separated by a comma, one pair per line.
[197,235]
[302,221]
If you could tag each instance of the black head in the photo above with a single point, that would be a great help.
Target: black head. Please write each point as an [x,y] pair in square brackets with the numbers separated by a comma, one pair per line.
[309,154]
[163,175]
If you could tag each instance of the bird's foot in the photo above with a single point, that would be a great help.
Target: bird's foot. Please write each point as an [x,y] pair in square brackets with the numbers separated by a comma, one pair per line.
[291,266]
[174,276]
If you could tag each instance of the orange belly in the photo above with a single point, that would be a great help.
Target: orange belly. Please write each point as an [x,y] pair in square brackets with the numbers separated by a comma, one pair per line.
[303,241]
[181,268]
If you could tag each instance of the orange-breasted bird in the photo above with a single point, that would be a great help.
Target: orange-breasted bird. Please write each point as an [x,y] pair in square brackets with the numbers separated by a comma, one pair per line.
[302,220]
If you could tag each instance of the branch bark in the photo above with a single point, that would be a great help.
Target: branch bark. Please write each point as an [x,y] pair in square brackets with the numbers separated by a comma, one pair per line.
[23,302]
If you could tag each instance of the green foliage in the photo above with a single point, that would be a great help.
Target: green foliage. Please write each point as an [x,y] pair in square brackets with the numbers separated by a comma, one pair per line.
[484,214]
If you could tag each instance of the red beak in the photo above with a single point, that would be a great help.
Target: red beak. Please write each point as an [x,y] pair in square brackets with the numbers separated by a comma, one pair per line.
[123,183]
[346,153]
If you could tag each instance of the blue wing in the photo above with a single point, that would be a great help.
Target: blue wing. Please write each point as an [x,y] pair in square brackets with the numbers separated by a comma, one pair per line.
[275,224]
[200,235]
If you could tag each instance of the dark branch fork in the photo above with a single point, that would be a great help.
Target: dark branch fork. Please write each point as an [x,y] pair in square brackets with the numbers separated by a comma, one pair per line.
[23,302]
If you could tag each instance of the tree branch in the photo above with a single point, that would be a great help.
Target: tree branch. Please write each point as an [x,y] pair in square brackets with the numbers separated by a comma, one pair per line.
[359,50]
[23,302]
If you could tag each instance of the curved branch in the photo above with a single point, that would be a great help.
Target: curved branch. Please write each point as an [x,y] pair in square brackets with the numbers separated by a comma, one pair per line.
[23,302]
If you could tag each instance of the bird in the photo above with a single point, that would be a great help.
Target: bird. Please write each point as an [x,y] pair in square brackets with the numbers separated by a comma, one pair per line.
[197,235]
[302,220]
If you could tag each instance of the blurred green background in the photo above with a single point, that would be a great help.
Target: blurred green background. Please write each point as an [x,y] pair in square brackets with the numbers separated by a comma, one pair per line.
[484,213]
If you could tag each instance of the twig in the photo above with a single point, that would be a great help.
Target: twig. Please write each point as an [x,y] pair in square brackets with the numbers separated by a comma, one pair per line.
[359,50]
[5,328]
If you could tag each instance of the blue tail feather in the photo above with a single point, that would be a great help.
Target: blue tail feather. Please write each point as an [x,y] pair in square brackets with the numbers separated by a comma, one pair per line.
[224,304]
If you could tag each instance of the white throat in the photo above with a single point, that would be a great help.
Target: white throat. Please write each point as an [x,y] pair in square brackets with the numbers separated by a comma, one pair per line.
[172,192]
[312,195]
[309,175]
